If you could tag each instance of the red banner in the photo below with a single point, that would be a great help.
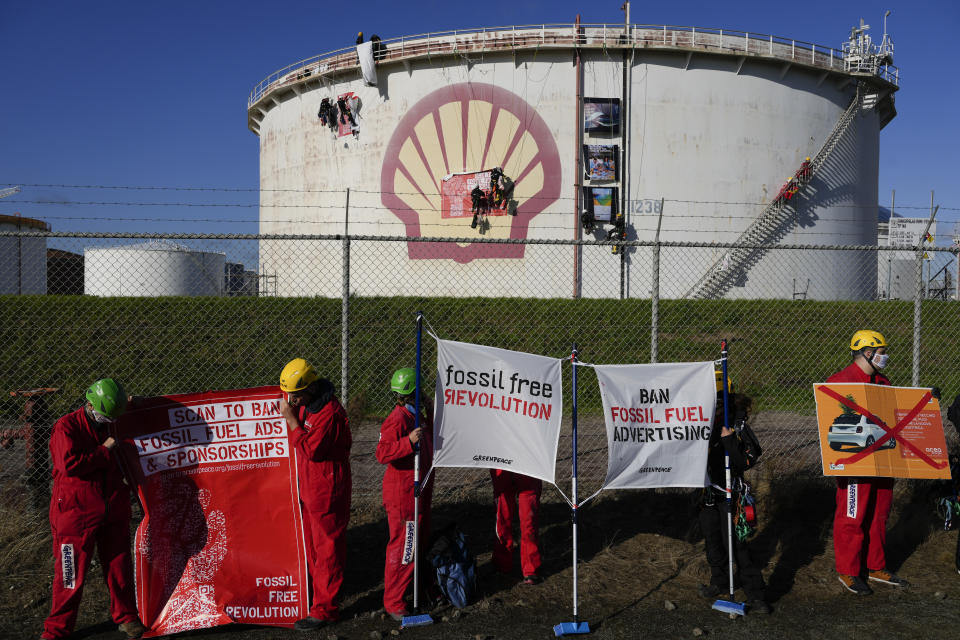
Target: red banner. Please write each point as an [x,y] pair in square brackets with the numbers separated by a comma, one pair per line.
[455,198]
[221,539]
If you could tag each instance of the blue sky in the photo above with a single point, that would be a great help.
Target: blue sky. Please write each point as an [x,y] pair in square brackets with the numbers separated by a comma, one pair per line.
[154,94]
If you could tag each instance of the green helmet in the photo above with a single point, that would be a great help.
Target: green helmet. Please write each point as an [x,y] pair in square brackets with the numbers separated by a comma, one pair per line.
[404,381]
[107,397]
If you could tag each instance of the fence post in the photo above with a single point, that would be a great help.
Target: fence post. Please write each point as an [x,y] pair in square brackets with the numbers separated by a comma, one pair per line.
[918,291]
[918,287]
[345,308]
[655,293]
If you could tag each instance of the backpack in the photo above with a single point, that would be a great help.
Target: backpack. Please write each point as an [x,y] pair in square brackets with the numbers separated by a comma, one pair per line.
[456,567]
[748,439]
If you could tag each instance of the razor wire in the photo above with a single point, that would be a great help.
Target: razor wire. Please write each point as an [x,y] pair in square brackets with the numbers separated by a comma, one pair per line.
[175,313]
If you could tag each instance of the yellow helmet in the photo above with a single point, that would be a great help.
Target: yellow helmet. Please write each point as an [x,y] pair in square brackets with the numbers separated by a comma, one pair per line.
[866,338]
[297,375]
[719,375]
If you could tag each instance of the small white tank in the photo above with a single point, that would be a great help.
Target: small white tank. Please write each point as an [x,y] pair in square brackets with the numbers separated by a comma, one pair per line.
[23,261]
[156,268]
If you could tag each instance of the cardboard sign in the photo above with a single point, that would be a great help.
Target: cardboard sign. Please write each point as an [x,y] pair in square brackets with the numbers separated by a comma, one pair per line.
[497,409]
[221,540]
[878,430]
[658,419]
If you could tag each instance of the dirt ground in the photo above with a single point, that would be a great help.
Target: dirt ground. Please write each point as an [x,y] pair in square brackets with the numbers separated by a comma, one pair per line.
[639,551]
[641,559]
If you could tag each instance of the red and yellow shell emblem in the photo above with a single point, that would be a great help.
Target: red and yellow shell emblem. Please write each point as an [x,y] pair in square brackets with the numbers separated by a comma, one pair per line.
[468,127]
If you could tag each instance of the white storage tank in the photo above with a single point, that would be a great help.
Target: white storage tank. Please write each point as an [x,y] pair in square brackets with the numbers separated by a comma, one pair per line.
[23,261]
[155,268]
[713,121]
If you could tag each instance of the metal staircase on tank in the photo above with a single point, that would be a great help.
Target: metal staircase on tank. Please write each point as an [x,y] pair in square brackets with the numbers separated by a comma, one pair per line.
[773,223]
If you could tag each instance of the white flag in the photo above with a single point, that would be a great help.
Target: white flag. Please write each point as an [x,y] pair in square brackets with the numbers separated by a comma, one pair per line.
[658,419]
[497,409]
[367,68]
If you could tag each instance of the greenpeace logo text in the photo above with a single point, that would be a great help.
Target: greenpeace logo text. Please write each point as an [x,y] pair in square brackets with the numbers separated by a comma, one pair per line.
[494,459]
[654,469]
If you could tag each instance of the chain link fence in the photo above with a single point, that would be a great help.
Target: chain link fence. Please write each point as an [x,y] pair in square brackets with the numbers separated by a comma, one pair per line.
[182,313]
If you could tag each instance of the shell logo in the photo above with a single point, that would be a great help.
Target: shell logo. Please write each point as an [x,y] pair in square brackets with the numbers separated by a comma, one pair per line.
[468,127]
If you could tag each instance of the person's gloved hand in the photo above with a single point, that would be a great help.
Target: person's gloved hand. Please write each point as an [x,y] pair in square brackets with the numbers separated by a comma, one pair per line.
[935,392]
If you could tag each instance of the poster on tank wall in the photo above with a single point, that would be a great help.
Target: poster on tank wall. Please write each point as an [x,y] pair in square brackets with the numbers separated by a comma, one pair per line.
[601,116]
[221,540]
[600,161]
[601,203]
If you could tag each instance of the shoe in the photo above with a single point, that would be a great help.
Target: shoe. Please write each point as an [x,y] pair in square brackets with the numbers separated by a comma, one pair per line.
[133,629]
[888,577]
[532,579]
[710,590]
[308,624]
[758,606]
[855,584]
[398,615]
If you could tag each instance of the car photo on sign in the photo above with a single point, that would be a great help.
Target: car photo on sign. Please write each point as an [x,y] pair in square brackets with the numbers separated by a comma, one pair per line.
[854,432]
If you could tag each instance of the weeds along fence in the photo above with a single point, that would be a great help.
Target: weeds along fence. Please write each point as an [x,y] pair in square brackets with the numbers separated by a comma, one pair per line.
[180,313]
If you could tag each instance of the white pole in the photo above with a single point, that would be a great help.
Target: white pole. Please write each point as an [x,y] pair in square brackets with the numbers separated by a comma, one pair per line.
[573,483]
[726,459]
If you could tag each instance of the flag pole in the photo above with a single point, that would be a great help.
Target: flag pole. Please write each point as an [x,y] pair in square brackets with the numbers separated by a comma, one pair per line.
[575,627]
[416,619]
[731,605]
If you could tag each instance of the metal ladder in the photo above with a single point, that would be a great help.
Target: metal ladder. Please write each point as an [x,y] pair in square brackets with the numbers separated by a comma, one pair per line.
[772,222]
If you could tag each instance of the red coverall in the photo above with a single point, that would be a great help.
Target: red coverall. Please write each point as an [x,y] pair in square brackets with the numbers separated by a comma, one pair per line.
[395,450]
[323,445]
[90,505]
[863,505]
[508,489]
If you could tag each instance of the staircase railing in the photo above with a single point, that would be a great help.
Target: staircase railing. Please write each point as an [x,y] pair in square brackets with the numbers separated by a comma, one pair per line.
[773,223]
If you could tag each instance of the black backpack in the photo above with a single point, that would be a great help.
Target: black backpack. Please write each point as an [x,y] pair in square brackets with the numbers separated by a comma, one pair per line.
[748,439]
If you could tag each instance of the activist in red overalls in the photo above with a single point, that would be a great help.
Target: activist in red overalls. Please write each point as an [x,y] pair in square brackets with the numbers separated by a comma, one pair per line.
[508,489]
[90,505]
[863,504]
[320,435]
[396,449]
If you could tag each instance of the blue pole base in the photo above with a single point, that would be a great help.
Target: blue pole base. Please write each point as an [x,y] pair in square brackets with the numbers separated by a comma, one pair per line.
[739,608]
[416,621]
[570,628]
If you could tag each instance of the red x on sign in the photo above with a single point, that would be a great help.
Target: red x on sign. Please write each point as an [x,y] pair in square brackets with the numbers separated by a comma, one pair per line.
[888,432]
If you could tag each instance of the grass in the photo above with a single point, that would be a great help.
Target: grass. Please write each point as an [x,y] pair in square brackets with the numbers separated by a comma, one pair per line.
[171,345]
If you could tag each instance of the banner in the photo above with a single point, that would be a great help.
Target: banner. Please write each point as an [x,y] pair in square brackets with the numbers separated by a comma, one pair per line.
[497,409]
[878,430]
[658,419]
[221,540]
[456,200]
[367,68]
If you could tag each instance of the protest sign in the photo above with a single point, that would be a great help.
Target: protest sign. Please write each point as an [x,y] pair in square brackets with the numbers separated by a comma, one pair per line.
[879,430]
[497,409]
[221,539]
[658,419]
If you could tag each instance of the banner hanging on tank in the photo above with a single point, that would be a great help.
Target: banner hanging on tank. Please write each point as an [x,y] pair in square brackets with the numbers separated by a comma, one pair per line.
[221,539]
[658,419]
[497,409]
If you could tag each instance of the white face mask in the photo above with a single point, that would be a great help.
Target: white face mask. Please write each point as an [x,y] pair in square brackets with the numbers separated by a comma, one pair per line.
[100,418]
[879,360]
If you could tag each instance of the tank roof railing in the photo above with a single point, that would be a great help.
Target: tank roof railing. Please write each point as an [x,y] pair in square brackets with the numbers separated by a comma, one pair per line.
[464,41]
